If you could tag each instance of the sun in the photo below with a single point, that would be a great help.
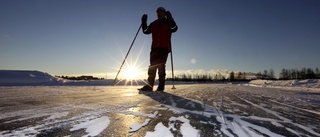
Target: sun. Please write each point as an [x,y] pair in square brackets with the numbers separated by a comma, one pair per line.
[131,72]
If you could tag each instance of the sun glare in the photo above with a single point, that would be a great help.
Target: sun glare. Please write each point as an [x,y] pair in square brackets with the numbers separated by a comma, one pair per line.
[131,73]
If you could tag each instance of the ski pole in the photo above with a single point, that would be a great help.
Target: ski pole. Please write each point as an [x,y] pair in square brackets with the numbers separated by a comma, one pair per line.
[172,69]
[134,39]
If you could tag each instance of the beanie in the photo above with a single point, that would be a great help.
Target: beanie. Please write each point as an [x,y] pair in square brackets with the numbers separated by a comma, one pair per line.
[161,8]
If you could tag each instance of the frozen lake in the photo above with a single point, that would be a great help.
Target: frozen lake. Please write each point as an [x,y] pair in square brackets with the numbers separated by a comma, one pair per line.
[190,110]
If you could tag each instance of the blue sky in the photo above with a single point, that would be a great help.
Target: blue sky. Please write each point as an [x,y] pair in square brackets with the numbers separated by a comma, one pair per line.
[68,37]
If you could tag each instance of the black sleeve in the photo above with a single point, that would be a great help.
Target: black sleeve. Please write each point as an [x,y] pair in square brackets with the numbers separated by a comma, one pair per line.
[173,26]
[146,29]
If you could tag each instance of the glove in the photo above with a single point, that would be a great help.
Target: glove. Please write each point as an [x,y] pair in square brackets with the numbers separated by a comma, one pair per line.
[168,14]
[144,18]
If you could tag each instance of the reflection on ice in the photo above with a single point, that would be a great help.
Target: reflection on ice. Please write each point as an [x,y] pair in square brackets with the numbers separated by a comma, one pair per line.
[130,92]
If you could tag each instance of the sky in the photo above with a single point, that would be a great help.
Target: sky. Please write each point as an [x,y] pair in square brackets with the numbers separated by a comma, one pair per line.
[80,37]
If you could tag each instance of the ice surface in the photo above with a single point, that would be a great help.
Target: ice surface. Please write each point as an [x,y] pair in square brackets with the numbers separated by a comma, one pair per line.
[260,108]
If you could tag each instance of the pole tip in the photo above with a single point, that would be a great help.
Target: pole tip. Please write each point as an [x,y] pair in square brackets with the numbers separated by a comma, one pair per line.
[173,87]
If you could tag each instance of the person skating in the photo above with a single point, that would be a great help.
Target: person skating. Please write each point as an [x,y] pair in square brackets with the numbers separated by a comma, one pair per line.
[161,30]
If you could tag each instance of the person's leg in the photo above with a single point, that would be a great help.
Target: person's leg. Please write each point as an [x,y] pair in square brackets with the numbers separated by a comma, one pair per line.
[151,71]
[151,75]
[162,59]
[158,59]
[162,77]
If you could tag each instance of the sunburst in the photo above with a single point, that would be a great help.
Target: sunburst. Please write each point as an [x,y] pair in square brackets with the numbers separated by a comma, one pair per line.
[132,72]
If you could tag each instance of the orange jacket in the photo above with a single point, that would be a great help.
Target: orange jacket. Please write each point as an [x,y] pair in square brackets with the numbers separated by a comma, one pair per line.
[161,32]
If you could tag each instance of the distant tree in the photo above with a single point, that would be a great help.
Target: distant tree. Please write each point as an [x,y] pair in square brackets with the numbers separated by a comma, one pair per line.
[265,74]
[215,77]
[184,77]
[271,74]
[284,74]
[204,77]
[293,74]
[259,75]
[310,73]
[303,73]
[239,76]
[223,78]
[210,78]
[231,76]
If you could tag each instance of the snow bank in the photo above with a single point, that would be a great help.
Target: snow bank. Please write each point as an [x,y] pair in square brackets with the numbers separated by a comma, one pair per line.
[38,78]
[24,77]
[308,83]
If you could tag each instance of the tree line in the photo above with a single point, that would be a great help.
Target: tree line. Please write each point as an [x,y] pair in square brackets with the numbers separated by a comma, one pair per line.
[202,78]
[289,74]
[304,73]
[79,77]
[285,74]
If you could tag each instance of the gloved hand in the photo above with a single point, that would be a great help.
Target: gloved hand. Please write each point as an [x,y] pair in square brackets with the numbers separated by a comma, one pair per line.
[168,14]
[144,18]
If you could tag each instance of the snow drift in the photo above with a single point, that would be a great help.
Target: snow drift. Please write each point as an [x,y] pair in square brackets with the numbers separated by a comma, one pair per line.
[38,78]
[25,77]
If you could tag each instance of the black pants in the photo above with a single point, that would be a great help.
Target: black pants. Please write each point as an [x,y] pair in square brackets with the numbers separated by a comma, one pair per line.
[158,59]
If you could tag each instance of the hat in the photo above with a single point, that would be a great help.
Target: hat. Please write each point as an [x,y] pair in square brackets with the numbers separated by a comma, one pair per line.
[161,8]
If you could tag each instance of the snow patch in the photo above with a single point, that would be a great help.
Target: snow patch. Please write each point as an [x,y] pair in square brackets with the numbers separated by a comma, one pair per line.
[57,115]
[93,127]
[136,126]
[160,131]
[186,129]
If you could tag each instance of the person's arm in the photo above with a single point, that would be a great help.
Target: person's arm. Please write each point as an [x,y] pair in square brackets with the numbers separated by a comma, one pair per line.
[172,24]
[145,28]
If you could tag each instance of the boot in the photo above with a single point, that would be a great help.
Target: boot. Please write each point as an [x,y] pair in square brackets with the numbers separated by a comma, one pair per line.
[151,77]
[149,86]
[146,88]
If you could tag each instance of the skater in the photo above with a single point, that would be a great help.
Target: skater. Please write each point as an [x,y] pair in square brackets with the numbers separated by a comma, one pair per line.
[161,30]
